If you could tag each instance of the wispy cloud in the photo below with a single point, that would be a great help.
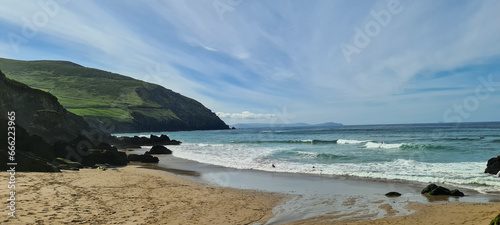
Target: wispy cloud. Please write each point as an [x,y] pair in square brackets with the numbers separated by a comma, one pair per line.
[265,55]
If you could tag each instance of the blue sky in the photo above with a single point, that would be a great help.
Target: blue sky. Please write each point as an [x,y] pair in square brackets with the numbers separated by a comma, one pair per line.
[354,62]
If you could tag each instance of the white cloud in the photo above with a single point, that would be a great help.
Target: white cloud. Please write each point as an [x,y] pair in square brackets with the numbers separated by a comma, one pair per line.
[245,115]
[266,54]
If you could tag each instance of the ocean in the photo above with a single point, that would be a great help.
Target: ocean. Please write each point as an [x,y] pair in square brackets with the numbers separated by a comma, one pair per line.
[454,154]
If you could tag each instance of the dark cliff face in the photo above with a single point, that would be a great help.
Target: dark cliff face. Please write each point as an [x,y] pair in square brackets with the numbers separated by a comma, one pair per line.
[191,114]
[38,112]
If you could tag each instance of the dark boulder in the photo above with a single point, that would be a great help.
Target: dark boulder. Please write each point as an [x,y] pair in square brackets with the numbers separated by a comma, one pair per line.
[429,188]
[393,194]
[433,189]
[159,149]
[493,166]
[457,193]
[143,158]
[105,146]
[150,159]
[100,156]
[135,157]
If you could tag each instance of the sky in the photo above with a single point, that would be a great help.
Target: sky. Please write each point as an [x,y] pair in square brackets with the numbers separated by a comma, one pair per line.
[260,61]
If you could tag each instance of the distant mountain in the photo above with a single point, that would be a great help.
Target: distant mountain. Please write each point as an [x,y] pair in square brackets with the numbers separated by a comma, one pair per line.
[271,125]
[120,103]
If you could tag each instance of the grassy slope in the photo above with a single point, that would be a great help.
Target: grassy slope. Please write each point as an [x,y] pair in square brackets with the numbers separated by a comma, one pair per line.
[90,93]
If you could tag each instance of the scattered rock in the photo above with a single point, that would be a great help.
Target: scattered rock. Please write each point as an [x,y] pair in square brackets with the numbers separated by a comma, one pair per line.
[393,194]
[159,149]
[493,166]
[433,189]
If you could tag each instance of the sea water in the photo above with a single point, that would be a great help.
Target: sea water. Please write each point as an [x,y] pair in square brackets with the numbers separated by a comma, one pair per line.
[454,154]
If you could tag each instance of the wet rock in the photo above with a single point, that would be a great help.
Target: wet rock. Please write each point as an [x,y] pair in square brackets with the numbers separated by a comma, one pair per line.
[493,166]
[393,194]
[100,156]
[159,149]
[433,189]
[456,192]
[146,158]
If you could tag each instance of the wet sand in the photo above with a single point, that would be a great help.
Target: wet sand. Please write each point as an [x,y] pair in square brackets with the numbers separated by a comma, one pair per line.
[425,214]
[341,200]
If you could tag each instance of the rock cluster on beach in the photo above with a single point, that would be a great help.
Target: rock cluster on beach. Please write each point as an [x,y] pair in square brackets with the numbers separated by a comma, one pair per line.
[433,189]
[137,142]
[105,154]
[147,157]
[493,166]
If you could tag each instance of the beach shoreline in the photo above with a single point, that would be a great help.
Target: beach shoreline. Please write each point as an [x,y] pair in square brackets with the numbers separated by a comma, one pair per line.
[135,195]
[347,199]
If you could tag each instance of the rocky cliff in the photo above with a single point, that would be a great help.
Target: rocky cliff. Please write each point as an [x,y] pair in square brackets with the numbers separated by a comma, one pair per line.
[116,101]
[38,112]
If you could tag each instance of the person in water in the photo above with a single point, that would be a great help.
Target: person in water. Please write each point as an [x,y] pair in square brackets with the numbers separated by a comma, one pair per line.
[381,145]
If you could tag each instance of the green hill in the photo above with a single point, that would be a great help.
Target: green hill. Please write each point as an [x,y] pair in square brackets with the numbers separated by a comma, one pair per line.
[120,103]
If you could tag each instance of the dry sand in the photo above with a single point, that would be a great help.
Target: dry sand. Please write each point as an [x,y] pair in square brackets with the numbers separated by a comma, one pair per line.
[132,195]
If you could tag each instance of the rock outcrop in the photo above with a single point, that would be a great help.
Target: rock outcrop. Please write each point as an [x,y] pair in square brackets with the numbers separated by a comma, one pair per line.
[137,142]
[433,189]
[493,166]
[39,112]
[44,130]
[146,158]
[105,154]
[159,149]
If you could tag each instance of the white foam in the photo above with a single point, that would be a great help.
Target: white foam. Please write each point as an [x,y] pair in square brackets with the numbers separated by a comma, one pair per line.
[373,145]
[461,174]
[346,141]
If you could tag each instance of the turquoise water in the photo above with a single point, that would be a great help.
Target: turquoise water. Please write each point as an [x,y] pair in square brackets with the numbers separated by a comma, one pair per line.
[442,153]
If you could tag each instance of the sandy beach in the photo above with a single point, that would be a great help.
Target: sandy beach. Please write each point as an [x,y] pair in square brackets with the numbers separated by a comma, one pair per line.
[133,195]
